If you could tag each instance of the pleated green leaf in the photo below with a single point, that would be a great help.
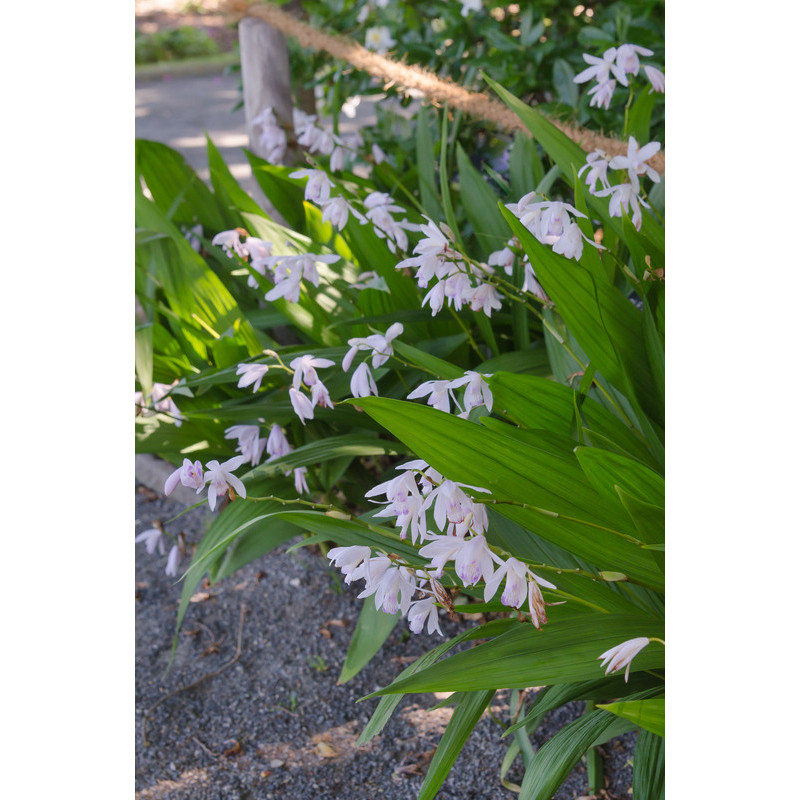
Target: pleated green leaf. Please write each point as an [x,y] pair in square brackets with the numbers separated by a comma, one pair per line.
[648,767]
[559,755]
[523,656]
[647,714]
[372,629]
[480,206]
[606,470]
[535,402]
[469,709]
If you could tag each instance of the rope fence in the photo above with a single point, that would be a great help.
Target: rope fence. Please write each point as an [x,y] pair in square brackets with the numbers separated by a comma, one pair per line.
[435,89]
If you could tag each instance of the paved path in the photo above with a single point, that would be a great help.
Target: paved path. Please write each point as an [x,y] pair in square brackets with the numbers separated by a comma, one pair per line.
[179,111]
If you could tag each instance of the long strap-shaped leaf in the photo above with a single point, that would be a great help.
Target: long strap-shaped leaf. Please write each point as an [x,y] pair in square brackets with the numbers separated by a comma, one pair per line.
[468,711]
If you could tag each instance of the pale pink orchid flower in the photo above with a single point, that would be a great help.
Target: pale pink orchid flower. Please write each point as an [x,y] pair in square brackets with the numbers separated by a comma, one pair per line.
[347,559]
[623,654]
[277,443]
[189,474]
[602,93]
[601,68]
[220,478]
[302,406]
[251,374]
[362,384]
[635,162]
[300,485]
[305,369]
[318,185]
[628,57]
[173,560]
[422,611]
[656,78]
[153,538]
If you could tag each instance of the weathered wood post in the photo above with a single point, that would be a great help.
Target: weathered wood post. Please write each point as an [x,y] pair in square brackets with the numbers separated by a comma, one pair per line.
[265,77]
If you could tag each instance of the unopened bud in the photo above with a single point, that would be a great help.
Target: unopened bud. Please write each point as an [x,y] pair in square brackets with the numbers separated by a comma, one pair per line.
[613,576]
[441,594]
[337,514]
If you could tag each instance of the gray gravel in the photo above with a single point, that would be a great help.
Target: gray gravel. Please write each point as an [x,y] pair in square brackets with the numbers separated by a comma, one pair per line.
[275,724]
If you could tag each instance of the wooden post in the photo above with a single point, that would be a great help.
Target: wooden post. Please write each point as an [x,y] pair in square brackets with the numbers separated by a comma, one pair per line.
[265,77]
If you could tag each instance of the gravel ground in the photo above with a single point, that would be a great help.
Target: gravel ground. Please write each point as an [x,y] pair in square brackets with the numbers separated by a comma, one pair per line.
[274,724]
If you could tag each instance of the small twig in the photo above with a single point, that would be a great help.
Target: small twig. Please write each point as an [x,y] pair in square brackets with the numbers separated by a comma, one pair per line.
[199,680]
[213,755]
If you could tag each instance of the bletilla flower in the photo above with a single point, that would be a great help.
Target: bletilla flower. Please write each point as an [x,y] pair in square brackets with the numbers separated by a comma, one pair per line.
[273,137]
[536,604]
[485,298]
[451,505]
[173,560]
[602,68]
[152,538]
[422,611]
[251,374]
[656,78]
[277,443]
[249,444]
[473,561]
[318,186]
[635,160]
[628,57]
[622,655]
[164,404]
[336,210]
[362,384]
[189,474]
[290,270]
[320,396]
[570,243]
[380,344]
[440,394]
[597,166]
[304,369]
[379,39]
[393,590]
[435,255]
[220,479]
[623,197]
[347,559]
[477,392]
[231,243]
[302,406]
[300,485]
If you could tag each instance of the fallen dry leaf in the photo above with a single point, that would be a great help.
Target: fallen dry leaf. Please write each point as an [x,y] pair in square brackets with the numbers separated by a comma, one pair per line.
[199,597]
[325,632]
[240,586]
[336,623]
[325,750]
[234,749]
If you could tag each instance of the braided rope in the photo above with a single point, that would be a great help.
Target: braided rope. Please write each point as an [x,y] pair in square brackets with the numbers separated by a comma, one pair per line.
[405,77]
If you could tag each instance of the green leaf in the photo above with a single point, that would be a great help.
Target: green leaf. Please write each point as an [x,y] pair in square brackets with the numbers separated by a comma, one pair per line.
[638,122]
[524,165]
[426,166]
[371,631]
[144,357]
[559,755]
[562,652]
[647,714]
[469,709]
[535,402]
[606,470]
[285,194]
[648,767]
[566,88]
[480,205]
[177,190]
[430,363]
